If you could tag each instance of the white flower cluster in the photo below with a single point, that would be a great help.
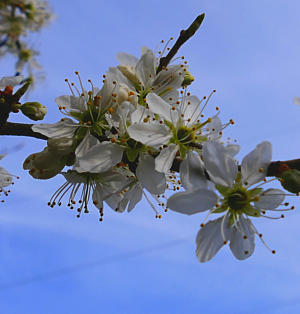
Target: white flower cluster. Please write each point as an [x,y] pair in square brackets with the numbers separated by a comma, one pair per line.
[17,19]
[130,138]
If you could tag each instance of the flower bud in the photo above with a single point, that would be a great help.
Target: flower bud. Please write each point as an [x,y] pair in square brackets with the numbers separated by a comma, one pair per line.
[290,180]
[188,79]
[44,165]
[34,110]
[61,146]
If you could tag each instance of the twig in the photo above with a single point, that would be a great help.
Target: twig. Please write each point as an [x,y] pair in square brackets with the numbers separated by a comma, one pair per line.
[20,129]
[184,36]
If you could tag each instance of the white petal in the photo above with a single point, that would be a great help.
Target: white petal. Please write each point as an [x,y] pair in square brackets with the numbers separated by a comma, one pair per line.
[270,199]
[77,104]
[192,173]
[162,108]
[191,109]
[209,239]
[140,114]
[152,180]
[192,202]
[214,128]
[164,160]
[5,178]
[134,197]
[11,81]
[101,157]
[149,134]
[232,149]
[98,196]
[127,59]
[65,128]
[259,158]
[87,142]
[145,68]
[220,165]
[242,239]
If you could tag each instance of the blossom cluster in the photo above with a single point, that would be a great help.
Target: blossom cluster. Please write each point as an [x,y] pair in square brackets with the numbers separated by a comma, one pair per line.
[142,134]
[17,19]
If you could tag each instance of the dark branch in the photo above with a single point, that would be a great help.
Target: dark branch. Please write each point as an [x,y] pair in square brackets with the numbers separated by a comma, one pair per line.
[184,36]
[20,129]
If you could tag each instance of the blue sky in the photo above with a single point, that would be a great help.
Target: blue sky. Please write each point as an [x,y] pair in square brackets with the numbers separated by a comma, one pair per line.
[52,262]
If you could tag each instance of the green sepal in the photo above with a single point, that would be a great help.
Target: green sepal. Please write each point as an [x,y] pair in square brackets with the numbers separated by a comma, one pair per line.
[251,211]
[220,209]
[169,124]
[79,135]
[96,128]
[132,154]
[224,190]
[76,115]
[182,151]
[254,192]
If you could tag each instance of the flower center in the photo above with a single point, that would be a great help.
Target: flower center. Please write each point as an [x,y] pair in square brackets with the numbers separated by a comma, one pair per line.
[238,200]
[184,135]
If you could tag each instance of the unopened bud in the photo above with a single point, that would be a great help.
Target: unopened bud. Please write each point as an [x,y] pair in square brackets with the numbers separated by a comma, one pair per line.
[34,110]
[188,79]
[61,145]
[290,180]
[44,165]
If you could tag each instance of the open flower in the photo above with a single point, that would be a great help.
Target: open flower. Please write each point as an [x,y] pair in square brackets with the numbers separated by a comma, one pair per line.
[81,187]
[90,109]
[140,75]
[180,127]
[238,199]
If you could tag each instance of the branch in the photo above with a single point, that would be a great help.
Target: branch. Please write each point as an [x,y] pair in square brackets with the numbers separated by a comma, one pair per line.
[184,36]
[20,129]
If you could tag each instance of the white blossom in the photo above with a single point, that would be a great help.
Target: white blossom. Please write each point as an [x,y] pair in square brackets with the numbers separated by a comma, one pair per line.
[236,198]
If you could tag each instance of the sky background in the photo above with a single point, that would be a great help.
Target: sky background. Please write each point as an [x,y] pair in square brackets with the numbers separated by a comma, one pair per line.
[52,262]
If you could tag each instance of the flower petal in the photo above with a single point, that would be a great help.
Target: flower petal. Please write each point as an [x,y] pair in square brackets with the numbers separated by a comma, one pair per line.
[63,128]
[192,202]
[11,81]
[270,199]
[192,175]
[209,239]
[145,68]
[127,59]
[87,142]
[5,178]
[242,239]
[220,165]
[232,149]
[149,134]
[151,180]
[255,164]
[100,158]
[164,160]
[162,108]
